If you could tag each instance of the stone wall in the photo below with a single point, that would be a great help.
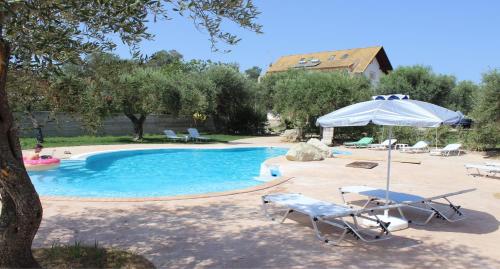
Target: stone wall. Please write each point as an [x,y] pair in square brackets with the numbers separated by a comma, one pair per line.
[67,125]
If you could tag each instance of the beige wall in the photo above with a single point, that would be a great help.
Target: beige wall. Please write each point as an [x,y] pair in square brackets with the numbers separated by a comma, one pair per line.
[66,125]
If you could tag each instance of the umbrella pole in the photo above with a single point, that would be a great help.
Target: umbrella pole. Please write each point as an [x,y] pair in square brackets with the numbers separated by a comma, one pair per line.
[386,212]
[437,137]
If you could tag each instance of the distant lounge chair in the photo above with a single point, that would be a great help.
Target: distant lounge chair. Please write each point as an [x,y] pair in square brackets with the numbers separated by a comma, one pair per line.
[362,143]
[195,135]
[446,151]
[332,214]
[420,146]
[491,169]
[447,210]
[171,135]
[383,145]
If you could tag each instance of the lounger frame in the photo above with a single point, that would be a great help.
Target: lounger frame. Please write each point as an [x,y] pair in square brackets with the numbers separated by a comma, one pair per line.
[490,169]
[340,221]
[438,206]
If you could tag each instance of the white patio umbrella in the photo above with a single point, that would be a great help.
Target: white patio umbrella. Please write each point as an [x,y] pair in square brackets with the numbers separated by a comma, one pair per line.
[390,113]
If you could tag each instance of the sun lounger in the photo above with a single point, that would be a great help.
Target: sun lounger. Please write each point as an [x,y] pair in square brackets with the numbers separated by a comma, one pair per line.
[362,143]
[195,135]
[420,146]
[490,169]
[171,135]
[447,210]
[382,145]
[446,151]
[331,214]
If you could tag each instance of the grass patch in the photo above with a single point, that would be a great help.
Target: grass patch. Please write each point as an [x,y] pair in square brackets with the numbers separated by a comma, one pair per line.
[29,143]
[81,256]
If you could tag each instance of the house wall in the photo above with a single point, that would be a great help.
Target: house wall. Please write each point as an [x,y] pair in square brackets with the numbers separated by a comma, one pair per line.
[373,72]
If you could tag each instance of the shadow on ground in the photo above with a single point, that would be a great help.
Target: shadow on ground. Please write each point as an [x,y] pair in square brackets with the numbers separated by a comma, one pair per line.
[476,222]
[218,235]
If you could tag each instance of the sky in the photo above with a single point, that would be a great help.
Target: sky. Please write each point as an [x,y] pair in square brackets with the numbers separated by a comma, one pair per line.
[454,37]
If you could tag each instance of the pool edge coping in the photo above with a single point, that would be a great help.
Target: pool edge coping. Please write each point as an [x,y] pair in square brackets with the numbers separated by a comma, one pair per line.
[260,187]
[86,155]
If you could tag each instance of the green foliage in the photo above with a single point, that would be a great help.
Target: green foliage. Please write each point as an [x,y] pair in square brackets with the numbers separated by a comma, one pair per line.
[300,96]
[462,96]
[164,58]
[49,32]
[419,82]
[235,110]
[146,90]
[27,90]
[486,113]
[253,73]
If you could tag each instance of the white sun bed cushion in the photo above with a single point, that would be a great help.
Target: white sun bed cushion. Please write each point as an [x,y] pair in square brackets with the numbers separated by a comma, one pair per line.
[309,206]
[397,197]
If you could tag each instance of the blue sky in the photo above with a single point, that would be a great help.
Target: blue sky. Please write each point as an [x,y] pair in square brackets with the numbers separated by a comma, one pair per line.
[456,37]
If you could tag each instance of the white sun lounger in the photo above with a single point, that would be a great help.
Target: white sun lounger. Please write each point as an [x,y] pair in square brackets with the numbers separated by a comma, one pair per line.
[446,151]
[332,214]
[382,145]
[491,169]
[420,146]
[195,135]
[447,210]
[171,135]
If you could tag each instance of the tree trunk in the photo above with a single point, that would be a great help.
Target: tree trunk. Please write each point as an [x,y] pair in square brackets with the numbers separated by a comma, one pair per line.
[37,128]
[21,207]
[138,125]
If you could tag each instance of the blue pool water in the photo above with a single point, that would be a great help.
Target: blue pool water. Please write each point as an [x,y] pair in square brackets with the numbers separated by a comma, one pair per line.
[150,173]
[340,152]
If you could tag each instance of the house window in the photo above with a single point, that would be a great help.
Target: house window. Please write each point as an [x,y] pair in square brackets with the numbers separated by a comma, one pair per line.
[302,61]
[373,76]
[331,58]
[315,61]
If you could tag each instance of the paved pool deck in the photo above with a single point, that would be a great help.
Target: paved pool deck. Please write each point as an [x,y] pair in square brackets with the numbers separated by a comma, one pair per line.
[231,232]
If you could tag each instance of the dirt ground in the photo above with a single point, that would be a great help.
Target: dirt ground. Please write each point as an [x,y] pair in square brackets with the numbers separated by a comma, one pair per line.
[231,231]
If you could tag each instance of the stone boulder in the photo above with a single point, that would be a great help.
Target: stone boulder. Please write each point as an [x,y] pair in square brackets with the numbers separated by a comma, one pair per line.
[290,135]
[304,152]
[322,147]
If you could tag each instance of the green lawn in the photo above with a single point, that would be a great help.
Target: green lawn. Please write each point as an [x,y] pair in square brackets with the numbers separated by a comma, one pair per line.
[29,143]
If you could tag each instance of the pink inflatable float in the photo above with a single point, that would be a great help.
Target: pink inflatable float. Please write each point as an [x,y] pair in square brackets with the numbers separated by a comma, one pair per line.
[41,164]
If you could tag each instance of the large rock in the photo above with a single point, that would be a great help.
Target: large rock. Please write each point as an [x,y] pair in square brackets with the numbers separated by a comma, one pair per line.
[322,147]
[290,135]
[304,152]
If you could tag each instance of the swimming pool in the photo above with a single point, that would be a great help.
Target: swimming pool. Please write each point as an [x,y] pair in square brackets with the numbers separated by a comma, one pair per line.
[154,173]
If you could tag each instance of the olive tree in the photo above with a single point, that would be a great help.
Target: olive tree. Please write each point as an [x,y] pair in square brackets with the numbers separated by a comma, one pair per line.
[301,96]
[234,101]
[420,82]
[28,91]
[144,91]
[486,113]
[48,33]
[462,96]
